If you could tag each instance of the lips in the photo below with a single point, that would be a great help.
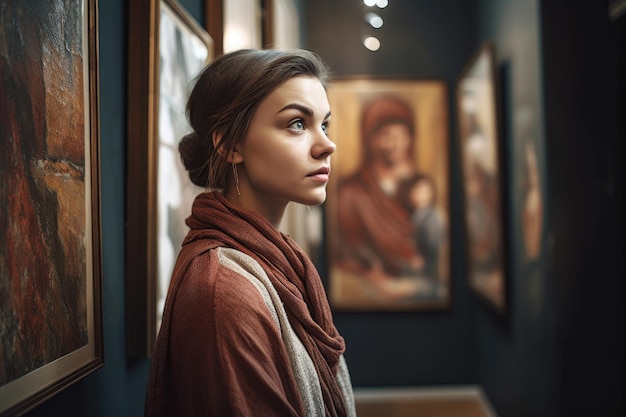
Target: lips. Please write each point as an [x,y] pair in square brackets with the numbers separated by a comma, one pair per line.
[322,171]
[320,174]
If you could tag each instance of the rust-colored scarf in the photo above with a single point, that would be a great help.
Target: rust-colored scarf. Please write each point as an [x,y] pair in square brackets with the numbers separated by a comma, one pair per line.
[291,272]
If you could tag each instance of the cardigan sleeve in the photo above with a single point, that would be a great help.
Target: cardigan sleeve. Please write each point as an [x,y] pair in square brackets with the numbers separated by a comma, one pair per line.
[226,356]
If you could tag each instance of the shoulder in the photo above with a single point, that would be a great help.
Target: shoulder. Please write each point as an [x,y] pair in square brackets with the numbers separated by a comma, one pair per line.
[244,281]
[228,285]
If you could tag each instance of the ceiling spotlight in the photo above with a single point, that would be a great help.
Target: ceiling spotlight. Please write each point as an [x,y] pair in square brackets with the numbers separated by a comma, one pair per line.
[371,43]
[369,3]
[381,3]
[374,20]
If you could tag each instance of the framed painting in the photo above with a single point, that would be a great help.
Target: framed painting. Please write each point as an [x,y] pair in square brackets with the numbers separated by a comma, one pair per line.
[160,194]
[242,24]
[50,257]
[388,199]
[481,169]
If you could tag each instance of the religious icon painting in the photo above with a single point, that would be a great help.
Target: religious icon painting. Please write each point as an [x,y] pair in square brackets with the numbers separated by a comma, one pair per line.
[388,199]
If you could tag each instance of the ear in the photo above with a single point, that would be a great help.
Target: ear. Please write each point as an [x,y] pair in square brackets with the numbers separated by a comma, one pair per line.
[233,157]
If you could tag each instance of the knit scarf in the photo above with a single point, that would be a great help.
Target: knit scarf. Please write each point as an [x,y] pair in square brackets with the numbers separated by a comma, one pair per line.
[292,274]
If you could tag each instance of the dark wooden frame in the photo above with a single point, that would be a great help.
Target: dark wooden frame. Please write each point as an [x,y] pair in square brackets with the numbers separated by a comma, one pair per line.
[214,24]
[486,268]
[22,394]
[142,272]
[429,101]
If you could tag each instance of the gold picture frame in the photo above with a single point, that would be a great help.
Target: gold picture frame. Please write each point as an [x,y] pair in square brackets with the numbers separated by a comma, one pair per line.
[50,265]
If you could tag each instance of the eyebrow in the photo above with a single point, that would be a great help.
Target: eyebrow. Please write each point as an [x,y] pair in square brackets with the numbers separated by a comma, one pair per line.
[304,109]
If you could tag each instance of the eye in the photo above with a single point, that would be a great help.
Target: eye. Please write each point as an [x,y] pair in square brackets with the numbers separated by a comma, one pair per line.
[326,126]
[296,124]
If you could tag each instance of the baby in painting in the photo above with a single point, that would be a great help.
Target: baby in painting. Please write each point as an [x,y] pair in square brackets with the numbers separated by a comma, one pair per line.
[420,194]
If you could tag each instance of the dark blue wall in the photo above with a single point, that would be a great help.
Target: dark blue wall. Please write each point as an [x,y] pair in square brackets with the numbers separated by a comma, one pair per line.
[584,55]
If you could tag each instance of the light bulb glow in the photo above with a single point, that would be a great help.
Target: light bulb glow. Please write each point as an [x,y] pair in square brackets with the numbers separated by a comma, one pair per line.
[374,20]
[381,3]
[369,3]
[371,43]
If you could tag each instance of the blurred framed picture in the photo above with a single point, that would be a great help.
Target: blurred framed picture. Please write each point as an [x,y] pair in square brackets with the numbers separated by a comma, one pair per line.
[160,193]
[480,147]
[387,209]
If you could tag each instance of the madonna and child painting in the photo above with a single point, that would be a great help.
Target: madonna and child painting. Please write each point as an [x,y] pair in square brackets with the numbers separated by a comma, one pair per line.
[387,207]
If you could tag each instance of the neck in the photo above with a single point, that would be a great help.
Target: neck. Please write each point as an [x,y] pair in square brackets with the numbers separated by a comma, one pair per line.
[273,212]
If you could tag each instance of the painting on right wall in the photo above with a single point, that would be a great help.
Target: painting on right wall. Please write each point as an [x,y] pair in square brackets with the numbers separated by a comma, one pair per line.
[479,137]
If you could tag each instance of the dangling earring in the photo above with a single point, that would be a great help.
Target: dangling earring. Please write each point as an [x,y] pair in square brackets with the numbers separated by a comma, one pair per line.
[236,175]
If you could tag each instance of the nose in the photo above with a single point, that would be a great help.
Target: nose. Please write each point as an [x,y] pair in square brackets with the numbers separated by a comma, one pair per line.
[323,146]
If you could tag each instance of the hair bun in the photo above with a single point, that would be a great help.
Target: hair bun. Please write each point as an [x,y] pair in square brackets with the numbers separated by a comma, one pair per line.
[194,155]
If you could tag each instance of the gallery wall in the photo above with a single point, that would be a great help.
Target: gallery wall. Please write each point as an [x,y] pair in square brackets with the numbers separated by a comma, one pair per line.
[516,360]
[561,352]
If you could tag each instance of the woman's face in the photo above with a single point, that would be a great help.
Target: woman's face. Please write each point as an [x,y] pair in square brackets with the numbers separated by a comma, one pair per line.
[286,152]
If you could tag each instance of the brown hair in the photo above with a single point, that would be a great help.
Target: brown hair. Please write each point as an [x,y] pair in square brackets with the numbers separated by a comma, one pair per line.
[224,98]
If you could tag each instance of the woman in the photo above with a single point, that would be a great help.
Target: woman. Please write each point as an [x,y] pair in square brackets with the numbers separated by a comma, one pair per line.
[247,329]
